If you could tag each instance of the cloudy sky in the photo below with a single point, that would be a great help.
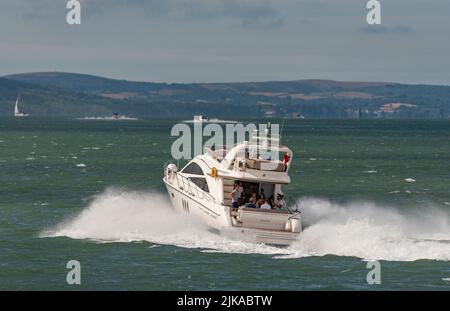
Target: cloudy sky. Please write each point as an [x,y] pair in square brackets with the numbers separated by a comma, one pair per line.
[229,40]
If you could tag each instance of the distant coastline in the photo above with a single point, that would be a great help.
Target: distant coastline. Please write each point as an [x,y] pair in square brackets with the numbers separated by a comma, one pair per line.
[77,95]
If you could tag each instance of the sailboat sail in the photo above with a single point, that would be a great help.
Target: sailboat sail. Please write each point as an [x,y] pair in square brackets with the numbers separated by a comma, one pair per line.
[16,110]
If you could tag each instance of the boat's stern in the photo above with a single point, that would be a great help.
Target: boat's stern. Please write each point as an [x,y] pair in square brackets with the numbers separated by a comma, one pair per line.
[267,226]
[269,237]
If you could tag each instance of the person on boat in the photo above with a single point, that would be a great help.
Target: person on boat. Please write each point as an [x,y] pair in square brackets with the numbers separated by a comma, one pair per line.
[272,202]
[244,197]
[240,190]
[262,195]
[266,205]
[254,197]
[280,203]
[250,204]
[234,197]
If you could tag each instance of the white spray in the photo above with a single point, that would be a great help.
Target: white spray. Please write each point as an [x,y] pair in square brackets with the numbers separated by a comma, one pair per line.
[363,229]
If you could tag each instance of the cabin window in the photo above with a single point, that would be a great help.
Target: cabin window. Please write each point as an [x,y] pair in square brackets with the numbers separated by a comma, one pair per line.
[193,169]
[200,182]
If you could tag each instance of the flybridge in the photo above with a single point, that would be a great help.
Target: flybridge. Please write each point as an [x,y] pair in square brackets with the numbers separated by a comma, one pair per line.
[191,144]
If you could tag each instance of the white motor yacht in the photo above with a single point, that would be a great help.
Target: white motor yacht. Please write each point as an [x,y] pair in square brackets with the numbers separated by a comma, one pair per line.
[203,119]
[204,189]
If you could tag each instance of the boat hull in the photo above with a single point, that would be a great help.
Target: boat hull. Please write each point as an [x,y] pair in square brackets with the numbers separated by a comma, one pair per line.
[217,217]
[270,237]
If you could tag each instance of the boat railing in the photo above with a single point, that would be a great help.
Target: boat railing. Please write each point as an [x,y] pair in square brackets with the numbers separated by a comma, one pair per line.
[185,184]
[259,164]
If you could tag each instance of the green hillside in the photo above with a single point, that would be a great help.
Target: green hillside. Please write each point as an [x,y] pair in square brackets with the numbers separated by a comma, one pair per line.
[67,94]
[43,101]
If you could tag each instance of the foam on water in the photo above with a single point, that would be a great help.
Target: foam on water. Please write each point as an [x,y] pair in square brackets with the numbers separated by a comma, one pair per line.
[370,231]
[365,230]
[126,216]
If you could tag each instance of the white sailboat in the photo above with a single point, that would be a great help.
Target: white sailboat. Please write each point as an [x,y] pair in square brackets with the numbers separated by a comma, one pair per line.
[17,111]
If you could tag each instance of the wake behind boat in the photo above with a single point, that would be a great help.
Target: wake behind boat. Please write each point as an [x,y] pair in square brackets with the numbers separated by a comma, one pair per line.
[238,191]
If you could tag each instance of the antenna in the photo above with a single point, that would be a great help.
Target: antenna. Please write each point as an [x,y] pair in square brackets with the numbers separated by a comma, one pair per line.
[282,126]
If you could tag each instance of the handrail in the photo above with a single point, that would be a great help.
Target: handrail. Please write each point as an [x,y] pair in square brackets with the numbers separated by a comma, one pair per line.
[187,185]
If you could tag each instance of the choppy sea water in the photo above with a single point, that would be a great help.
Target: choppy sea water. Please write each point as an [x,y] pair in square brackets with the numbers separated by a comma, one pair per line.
[91,190]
